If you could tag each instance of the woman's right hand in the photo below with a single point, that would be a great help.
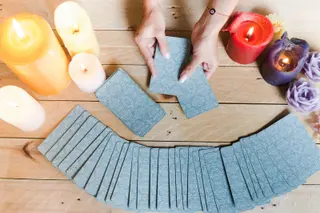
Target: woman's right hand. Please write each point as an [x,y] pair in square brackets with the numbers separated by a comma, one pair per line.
[151,31]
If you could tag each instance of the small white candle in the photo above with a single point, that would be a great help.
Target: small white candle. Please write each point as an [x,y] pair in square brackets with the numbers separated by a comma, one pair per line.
[87,72]
[21,110]
[75,29]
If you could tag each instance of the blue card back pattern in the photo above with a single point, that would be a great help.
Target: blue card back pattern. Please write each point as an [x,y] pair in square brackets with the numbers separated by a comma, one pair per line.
[195,94]
[168,70]
[240,192]
[130,103]
[76,166]
[144,179]
[218,180]
[61,129]
[81,147]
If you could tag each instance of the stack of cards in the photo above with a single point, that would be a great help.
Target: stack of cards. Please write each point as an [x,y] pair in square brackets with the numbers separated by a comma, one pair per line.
[130,103]
[195,94]
[181,179]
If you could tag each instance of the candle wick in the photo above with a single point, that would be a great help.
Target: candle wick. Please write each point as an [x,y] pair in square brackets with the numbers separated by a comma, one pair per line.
[12,104]
[249,34]
[75,29]
[84,68]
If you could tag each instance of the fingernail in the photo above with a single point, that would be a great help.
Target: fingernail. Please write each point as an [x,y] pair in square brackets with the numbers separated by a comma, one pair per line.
[183,78]
[167,56]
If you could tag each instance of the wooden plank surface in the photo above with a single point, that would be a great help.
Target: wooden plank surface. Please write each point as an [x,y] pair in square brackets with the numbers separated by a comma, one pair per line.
[30,184]
[38,196]
[230,84]
[301,17]
[238,120]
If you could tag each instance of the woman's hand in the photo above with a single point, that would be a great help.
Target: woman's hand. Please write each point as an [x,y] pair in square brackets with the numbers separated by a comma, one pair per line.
[151,30]
[205,53]
[205,49]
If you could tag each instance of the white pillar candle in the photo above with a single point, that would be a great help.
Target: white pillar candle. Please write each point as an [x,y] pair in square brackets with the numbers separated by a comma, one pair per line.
[75,29]
[21,110]
[87,72]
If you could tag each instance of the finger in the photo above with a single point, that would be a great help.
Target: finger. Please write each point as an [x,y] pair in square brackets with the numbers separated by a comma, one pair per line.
[163,44]
[188,70]
[145,51]
[209,72]
[153,51]
[152,68]
[206,66]
[145,46]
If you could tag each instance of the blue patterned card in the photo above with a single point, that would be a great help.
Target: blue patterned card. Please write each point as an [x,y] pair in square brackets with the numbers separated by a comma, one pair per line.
[168,70]
[61,129]
[86,155]
[120,194]
[130,103]
[239,189]
[83,176]
[79,149]
[195,94]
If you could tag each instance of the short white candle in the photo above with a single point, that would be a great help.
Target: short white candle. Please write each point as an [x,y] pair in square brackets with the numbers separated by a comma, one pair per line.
[75,29]
[21,110]
[87,72]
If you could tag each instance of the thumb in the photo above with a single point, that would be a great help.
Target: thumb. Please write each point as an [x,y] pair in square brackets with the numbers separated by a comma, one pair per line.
[188,70]
[163,45]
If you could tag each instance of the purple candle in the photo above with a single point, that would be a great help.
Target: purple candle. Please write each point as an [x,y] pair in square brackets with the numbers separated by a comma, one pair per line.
[285,60]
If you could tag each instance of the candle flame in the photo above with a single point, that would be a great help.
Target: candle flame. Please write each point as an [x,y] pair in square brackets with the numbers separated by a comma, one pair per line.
[249,33]
[84,68]
[285,60]
[18,29]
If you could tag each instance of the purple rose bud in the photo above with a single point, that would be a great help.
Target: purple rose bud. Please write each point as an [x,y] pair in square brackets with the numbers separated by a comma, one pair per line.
[311,67]
[303,96]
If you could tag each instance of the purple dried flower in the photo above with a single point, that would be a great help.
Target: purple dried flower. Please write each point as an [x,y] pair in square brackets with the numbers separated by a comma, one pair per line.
[311,67]
[303,96]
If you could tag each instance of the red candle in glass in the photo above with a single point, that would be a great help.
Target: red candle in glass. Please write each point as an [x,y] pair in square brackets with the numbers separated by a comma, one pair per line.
[250,34]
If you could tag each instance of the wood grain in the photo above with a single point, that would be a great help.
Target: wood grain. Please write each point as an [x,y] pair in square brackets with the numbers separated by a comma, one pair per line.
[230,85]
[56,196]
[300,17]
[249,104]
[226,123]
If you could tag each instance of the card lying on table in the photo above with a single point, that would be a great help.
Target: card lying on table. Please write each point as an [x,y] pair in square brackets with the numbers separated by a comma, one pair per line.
[130,103]
[195,94]
[182,179]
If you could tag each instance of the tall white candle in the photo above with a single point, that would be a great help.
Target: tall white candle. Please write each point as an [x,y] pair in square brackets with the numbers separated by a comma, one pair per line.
[87,72]
[75,29]
[21,110]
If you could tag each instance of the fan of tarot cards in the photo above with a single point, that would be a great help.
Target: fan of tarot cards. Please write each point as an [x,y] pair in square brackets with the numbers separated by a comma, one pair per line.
[186,179]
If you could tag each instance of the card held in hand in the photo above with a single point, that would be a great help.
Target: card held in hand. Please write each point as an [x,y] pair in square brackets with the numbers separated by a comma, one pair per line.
[195,94]
[130,103]
[168,70]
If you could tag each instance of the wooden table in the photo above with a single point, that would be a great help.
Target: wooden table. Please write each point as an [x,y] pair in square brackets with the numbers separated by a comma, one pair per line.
[29,183]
